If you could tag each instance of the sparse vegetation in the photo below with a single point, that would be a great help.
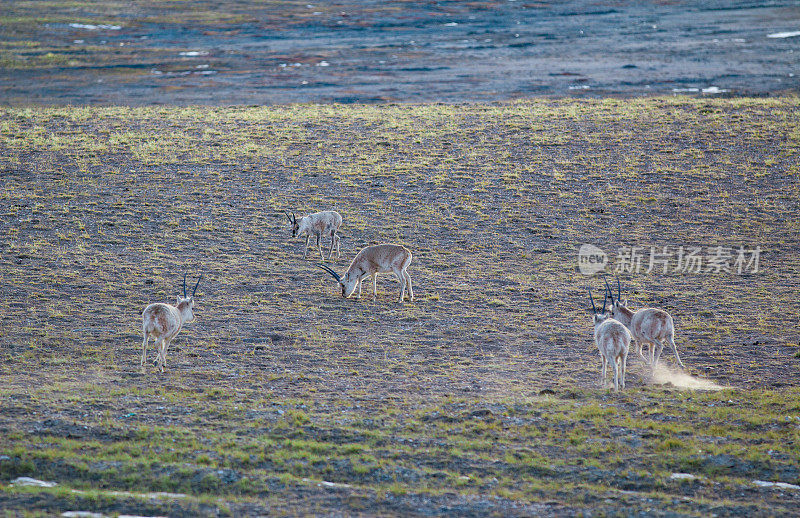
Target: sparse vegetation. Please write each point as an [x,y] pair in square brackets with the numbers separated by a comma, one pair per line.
[478,398]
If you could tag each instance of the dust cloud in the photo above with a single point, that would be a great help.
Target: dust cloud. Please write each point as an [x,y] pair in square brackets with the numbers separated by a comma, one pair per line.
[681,380]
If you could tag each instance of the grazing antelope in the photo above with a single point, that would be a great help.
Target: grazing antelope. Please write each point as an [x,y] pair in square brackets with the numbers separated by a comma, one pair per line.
[163,322]
[649,326]
[322,223]
[371,261]
[613,340]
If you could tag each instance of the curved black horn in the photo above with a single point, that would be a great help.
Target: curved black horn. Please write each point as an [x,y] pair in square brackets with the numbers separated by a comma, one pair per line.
[184,285]
[288,217]
[330,271]
[594,308]
[196,285]
[605,295]
[619,289]
[608,289]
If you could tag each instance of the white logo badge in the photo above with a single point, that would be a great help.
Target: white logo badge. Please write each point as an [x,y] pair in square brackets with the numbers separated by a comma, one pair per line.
[591,260]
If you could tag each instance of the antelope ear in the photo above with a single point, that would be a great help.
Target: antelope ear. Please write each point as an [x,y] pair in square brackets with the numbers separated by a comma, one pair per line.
[179,299]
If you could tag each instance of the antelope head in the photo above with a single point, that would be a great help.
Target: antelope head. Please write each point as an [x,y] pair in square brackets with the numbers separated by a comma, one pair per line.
[295,224]
[348,285]
[186,303]
[618,302]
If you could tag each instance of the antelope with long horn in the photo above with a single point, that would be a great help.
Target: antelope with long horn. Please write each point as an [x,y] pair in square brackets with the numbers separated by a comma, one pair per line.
[163,322]
[649,326]
[371,261]
[325,223]
[613,340]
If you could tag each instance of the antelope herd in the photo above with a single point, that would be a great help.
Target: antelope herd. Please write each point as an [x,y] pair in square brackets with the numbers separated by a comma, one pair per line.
[613,330]
[614,340]
[646,326]
[163,322]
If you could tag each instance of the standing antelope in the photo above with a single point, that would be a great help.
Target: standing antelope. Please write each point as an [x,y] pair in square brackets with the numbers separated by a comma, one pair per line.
[163,322]
[371,261]
[613,340]
[322,223]
[648,326]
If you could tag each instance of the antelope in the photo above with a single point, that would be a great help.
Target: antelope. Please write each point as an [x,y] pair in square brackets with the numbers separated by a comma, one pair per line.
[371,261]
[613,340]
[648,326]
[326,222]
[163,322]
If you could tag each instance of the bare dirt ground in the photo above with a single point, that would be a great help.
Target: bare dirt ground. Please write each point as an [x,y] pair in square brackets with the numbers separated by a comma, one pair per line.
[480,397]
[187,53]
